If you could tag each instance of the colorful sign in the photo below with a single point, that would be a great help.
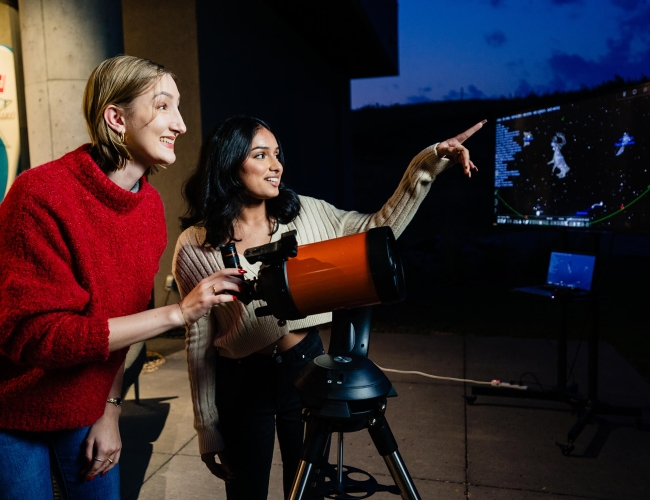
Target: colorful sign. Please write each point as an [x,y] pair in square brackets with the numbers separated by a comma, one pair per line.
[9,124]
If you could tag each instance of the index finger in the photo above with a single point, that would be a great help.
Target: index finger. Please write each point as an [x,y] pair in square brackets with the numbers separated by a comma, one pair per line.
[226,271]
[463,136]
[95,467]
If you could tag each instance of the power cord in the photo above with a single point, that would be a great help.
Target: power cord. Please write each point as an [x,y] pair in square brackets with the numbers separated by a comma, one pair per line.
[537,382]
[494,383]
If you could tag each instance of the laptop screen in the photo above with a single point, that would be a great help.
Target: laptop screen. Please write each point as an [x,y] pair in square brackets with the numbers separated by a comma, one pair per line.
[571,270]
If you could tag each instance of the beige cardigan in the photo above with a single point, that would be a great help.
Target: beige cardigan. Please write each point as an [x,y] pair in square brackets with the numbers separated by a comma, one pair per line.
[232,327]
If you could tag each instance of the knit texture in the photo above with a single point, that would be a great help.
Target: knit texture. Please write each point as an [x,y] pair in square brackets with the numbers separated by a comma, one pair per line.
[232,327]
[76,249]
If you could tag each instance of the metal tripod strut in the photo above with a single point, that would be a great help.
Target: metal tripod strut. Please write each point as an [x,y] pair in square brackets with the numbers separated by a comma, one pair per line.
[317,435]
[386,445]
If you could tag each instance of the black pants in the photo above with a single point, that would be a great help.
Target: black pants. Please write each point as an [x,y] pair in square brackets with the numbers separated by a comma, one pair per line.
[255,396]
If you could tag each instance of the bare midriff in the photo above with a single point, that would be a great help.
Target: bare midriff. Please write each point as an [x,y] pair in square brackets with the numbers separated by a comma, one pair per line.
[285,343]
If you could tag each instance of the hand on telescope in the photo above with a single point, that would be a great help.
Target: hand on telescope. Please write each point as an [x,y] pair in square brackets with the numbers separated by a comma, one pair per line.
[222,470]
[454,150]
[127,330]
[219,287]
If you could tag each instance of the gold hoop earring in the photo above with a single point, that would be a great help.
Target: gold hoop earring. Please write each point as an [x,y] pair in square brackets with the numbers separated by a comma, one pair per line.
[122,137]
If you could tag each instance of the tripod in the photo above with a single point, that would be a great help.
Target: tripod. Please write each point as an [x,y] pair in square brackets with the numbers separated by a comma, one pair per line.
[589,406]
[343,391]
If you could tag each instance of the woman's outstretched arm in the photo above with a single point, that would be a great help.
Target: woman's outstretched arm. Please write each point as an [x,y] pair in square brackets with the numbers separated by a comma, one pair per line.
[128,330]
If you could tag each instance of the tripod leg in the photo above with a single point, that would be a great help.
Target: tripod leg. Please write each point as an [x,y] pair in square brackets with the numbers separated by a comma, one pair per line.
[386,445]
[401,476]
[339,471]
[316,439]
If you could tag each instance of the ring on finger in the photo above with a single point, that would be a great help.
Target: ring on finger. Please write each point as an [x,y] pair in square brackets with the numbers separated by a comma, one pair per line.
[214,289]
[98,459]
[109,460]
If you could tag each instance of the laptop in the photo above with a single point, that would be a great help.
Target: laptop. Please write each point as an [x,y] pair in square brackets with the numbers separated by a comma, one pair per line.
[568,274]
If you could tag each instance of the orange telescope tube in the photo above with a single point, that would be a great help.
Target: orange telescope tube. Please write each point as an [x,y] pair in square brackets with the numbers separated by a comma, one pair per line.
[341,273]
[331,275]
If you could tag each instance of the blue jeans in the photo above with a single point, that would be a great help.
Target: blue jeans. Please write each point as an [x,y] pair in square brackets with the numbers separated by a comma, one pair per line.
[26,459]
[255,396]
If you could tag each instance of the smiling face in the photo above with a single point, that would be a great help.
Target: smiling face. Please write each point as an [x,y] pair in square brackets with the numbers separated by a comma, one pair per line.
[261,172]
[153,122]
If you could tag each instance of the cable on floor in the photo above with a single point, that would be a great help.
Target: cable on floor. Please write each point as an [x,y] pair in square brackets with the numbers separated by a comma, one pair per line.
[494,382]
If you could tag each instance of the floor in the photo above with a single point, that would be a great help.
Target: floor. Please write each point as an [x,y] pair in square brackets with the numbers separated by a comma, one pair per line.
[492,448]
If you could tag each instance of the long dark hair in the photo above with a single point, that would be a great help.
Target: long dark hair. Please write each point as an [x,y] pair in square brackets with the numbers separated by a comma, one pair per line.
[215,193]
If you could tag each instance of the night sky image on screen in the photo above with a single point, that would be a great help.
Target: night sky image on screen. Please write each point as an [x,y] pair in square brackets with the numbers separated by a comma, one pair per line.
[585,164]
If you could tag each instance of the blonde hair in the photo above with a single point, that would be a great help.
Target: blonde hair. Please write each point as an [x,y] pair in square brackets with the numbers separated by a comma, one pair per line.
[116,81]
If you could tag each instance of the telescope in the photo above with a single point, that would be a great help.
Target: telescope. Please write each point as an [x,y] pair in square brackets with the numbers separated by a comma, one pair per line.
[343,391]
[342,273]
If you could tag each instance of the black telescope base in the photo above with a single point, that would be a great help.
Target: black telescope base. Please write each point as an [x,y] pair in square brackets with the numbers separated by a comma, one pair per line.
[317,479]
[343,391]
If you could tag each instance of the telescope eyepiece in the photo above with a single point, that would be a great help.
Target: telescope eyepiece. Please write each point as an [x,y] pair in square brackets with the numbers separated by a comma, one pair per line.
[230,256]
[231,260]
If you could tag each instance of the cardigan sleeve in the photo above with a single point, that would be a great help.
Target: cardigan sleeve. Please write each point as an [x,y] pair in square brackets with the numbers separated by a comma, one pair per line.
[320,220]
[188,269]
[43,321]
[201,363]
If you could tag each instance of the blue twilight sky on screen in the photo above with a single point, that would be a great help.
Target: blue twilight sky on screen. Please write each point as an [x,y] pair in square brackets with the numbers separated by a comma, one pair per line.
[492,48]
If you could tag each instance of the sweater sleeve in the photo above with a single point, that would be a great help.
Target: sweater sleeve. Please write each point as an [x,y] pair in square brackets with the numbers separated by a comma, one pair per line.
[397,212]
[188,269]
[44,318]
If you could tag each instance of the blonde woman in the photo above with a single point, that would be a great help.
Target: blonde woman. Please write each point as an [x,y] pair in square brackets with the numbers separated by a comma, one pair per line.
[81,238]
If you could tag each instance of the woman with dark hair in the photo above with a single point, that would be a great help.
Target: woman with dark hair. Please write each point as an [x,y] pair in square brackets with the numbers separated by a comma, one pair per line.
[82,237]
[242,368]
[222,191]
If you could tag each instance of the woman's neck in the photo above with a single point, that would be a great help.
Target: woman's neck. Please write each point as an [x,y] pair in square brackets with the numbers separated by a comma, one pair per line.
[127,177]
[253,215]
[252,227]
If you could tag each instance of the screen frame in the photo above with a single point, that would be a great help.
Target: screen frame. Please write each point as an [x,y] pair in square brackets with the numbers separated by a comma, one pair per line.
[568,221]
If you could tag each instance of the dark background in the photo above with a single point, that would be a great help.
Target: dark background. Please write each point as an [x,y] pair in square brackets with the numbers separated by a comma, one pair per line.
[460,269]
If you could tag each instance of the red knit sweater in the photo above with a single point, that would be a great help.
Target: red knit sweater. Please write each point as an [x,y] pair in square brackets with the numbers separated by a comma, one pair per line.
[75,250]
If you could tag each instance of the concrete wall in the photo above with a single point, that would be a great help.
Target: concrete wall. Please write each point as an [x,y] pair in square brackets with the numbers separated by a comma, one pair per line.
[62,42]
[5,25]
[165,31]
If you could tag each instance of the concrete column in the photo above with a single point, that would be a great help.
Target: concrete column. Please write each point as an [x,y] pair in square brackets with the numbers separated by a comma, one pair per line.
[62,42]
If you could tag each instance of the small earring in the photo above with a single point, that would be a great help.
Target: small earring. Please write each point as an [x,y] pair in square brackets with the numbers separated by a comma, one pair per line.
[122,137]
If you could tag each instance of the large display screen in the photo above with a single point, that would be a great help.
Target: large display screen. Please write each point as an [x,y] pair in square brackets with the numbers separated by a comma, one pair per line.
[585,164]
